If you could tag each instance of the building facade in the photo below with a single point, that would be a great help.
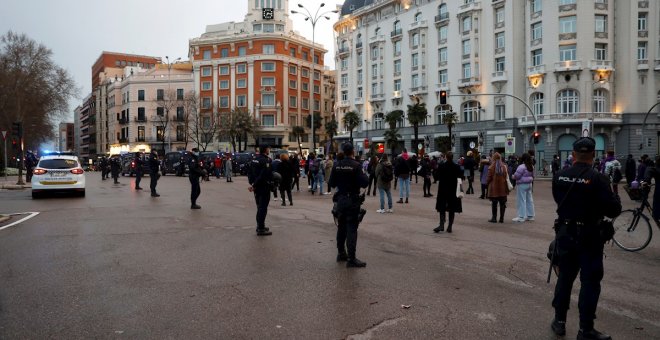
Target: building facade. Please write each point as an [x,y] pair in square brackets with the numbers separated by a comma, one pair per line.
[65,137]
[509,68]
[260,65]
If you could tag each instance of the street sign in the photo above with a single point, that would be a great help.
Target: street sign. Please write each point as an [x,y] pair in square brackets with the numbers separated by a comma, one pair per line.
[419,146]
[472,145]
[510,146]
[586,128]
[4,135]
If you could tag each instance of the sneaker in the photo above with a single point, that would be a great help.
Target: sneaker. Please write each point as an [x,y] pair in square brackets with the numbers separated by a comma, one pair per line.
[389,211]
[195,206]
[155,195]
[264,232]
[355,263]
[530,219]
[559,327]
[518,219]
[380,211]
[592,334]
[400,200]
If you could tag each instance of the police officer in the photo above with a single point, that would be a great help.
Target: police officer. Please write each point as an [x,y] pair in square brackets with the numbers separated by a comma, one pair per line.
[348,177]
[195,171]
[115,167]
[103,163]
[154,167]
[260,179]
[584,198]
[139,170]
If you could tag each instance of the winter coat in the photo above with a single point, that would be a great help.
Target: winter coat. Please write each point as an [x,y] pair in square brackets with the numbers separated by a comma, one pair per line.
[425,169]
[402,168]
[286,171]
[469,165]
[484,172]
[522,175]
[497,187]
[380,184]
[328,168]
[631,169]
[448,175]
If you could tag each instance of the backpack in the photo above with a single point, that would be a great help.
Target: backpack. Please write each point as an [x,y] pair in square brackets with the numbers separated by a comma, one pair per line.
[314,167]
[387,174]
[616,175]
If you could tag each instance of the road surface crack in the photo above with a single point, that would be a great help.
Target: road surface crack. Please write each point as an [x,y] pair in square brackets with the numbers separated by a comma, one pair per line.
[369,332]
[510,272]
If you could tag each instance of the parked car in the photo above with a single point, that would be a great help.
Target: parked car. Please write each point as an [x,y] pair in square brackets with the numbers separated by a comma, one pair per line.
[128,166]
[175,163]
[58,173]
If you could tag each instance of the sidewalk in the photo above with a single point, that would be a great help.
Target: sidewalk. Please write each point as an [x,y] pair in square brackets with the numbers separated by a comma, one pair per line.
[10,183]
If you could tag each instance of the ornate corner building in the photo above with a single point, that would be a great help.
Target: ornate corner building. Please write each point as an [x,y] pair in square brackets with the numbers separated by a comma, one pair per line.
[509,68]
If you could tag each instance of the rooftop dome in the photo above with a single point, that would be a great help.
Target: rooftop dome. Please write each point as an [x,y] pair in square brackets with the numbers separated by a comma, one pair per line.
[351,6]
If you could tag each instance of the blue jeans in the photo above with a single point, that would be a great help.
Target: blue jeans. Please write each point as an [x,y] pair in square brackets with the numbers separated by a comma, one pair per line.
[318,182]
[382,198]
[404,187]
[524,200]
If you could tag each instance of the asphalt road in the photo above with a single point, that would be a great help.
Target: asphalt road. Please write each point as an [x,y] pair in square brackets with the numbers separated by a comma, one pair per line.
[120,264]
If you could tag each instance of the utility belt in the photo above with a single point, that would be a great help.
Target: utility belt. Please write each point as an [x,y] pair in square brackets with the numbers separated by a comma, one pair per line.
[584,229]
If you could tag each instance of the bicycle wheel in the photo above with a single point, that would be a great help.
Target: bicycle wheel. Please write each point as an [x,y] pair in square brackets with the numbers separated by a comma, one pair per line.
[632,231]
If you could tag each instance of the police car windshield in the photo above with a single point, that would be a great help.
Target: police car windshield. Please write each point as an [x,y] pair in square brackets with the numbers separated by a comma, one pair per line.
[58,164]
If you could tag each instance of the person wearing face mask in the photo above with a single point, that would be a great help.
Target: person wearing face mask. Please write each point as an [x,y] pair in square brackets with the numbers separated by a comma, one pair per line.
[195,171]
[261,181]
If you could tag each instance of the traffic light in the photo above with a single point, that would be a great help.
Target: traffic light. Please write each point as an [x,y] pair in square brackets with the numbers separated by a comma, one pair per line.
[443,97]
[14,144]
[17,130]
[536,136]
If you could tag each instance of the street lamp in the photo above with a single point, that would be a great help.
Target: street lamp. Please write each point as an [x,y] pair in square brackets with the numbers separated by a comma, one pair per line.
[313,19]
[169,90]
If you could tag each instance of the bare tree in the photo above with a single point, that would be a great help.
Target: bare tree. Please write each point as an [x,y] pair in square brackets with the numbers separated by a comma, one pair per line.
[166,108]
[190,107]
[203,127]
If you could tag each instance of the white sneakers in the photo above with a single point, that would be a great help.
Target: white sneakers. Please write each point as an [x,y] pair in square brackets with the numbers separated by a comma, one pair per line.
[529,219]
[381,211]
[520,219]
[389,211]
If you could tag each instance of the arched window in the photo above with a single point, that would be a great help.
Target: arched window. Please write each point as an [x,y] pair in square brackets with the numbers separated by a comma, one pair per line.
[601,102]
[471,111]
[537,103]
[568,101]
[418,17]
[442,12]
[440,112]
[377,31]
[378,121]
[344,44]
[397,27]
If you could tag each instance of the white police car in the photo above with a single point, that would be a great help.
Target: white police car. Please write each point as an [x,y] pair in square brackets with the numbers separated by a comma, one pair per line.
[58,173]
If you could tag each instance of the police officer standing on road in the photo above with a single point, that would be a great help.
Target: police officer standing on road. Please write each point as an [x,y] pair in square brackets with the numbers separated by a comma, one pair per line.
[348,177]
[103,163]
[195,171]
[154,167]
[115,167]
[260,179]
[584,198]
[139,170]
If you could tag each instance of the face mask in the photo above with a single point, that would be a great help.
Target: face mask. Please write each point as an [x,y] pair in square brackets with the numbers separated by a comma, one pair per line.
[196,153]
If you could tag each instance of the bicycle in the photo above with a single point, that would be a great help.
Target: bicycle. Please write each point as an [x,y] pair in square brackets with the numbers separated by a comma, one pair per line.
[633,231]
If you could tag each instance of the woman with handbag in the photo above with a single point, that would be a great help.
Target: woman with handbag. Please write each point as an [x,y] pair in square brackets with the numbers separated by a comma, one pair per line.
[449,181]
[498,186]
[524,177]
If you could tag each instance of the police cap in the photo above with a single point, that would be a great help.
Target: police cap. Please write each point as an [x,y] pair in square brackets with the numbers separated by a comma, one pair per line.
[263,147]
[584,144]
[347,147]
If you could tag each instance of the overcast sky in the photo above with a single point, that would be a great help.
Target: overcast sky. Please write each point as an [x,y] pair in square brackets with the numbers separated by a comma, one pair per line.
[77,31]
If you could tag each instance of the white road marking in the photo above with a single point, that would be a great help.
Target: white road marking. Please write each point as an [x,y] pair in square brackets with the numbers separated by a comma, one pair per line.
[31,214]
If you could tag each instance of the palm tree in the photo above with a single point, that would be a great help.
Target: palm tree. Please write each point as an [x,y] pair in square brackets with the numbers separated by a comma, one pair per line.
[298,131]
[331,130]
[392,135]
[416,116]
[394,117]
[351,120]
[450,119]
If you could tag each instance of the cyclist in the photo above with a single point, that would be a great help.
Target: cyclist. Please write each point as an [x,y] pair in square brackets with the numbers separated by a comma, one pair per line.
[651,173]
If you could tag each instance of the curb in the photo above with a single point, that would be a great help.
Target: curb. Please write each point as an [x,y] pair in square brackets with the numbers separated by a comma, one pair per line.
[15,187]
[4,218]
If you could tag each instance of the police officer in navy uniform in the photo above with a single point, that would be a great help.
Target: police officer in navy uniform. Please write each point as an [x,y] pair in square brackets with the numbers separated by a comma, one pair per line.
[584,197]
[195,171]
[260,179]
[348,177]
[154,167]
[139,170]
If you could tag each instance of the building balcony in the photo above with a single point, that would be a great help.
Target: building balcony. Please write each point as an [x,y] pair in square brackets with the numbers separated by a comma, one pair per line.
[396,94]
[140,139]
[418,90]
[576,118]
[377,97]
[601,65]
[535,70]
[358,44]
[568,65]
[123,121]
[123,140]
[473,6]
[140,119]
[418,24]
[179,119]
[376,39]
[657,65]
[442,18]
[343,51]
[642,64]
[499,76]
[442,87]
[396,33]
[466,82]
[359,101]
[344,103]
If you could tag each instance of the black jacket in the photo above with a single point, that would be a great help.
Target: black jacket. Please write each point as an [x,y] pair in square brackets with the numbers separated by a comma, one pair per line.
[195,169]
[260,172]
[347,176]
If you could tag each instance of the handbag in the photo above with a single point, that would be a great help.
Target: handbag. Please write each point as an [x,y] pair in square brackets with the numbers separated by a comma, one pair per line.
[459,189]
[508,183]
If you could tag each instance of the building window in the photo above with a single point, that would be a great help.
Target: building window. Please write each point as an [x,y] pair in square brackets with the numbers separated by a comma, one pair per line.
[500,112]
[567,53]
[241,100]
[179,113]
[467,24]
[267,67]
[374,52]
[359,76]
[537,103]
[317,75]
[442,77]
[466,47]
[141,135]
[418,17]
[160,94]
[440,112]
[224,84]
[537,57]
[293,84]
[305,87]
[601,23]
[344,63]
[241,68]
[344,95]
[499,15]
[256,27]
[442,12]
[600,101]
[305,73]
[224,70]
[293,101]
[359,92]
[293,70]
[305,56]
[415,80]
[467,71]
[415,40]
[397,47]
[568,101]
[242,51]
[500,64]
[642,50]
[317,89]
[566,2]
[537,6]
[207,55]
[641,21]
[374,70]
[268,28]
[471,111]
[140,95]
[601,51]
[268,49]
[224,53]
[537,30]
[268,99]
[267,120]
[397,85]
[160,133]
[268,81]
[160,111]
[567,24]
[180,133]
[442,55]
[397,67]
[442,33]
[206,71]
[241,83]
[374,88]
[305,103]
[344,79]
[179,94]
[415,60]
[206,122]
[206,103]
[499,40]
[206,86]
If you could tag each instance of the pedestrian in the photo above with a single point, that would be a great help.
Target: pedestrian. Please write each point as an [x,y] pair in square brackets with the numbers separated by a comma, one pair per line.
[154,167]
[403,172]
[584,198]
[653,172]
[315,174]
[286,171]
[348,177]
[469,164]
[260,179]
[613,171]
[555,165]
[308,163]
[319,176]
[434,166]
[103,163]
[631,169]
[30,163]
[498,189]
[568,162]
[524,177]
[449,175]
[115,168]
[484,165]
[217,166]
[195,172]
[329,163]
[384,174]
[371,172]
[139,169]
[395,161]
[641,169]
[413,164]
[229,169]
[295,165]
[274,165]
[426,172]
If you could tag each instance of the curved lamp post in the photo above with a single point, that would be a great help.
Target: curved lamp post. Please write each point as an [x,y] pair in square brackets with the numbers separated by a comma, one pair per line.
[169,89]
[641,145]
[313,18]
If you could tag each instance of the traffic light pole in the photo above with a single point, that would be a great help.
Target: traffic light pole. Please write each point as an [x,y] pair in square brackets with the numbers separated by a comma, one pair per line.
[5,163]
